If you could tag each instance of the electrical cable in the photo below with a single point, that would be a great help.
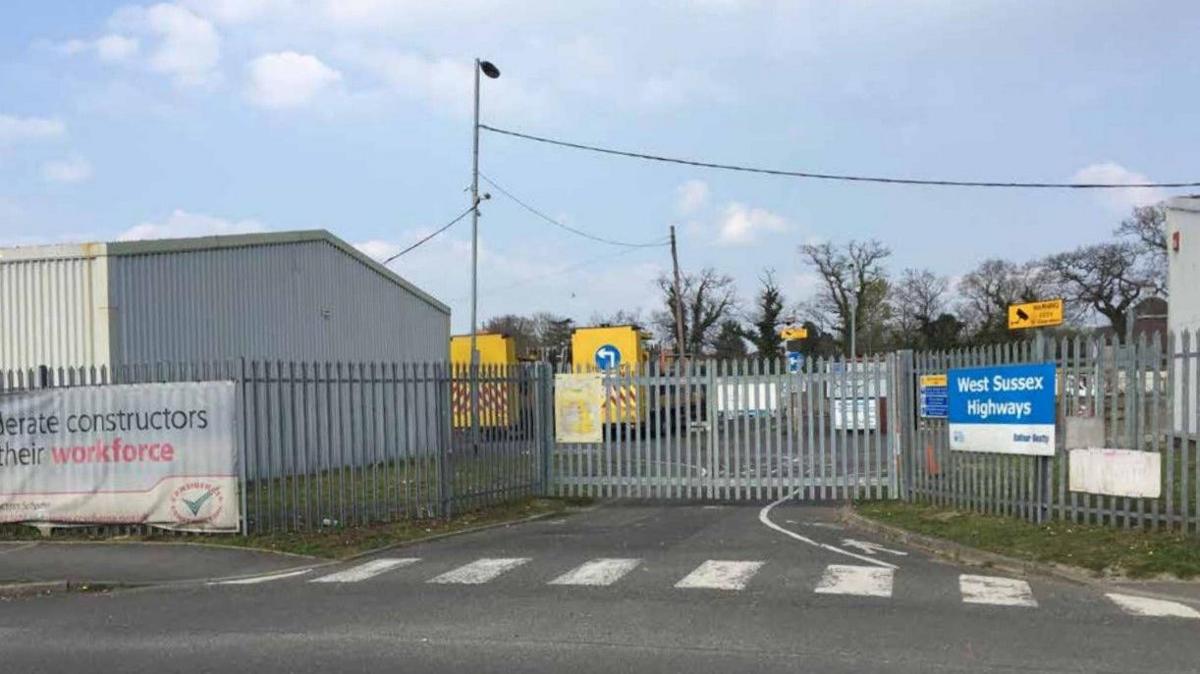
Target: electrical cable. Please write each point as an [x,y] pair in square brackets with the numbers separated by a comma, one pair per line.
[448,225]
[491,292]
[556,223]
[831,176]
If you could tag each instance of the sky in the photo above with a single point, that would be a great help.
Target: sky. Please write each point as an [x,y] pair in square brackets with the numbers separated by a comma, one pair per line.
[194,117]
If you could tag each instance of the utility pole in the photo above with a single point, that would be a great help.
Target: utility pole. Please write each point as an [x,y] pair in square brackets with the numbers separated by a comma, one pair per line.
[491,71]
[474,365]
[678,298]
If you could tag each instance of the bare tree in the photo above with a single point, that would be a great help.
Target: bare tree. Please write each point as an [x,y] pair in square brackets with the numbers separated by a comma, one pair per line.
[917,299]
[708,298]
[852,276]
[618,317]
[542,334]
[1109,278]
[1147,227]
[995,284]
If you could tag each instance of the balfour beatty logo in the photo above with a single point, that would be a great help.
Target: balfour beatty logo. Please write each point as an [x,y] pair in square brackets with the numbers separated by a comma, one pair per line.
[196,502]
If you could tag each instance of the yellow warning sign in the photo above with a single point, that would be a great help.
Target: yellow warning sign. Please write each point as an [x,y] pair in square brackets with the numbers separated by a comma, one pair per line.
[928,380]
[1035,314]
[797,332]
[577,402]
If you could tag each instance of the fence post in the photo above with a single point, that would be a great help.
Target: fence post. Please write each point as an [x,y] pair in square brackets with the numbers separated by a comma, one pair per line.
[1045,464]
[547,393]
[900,419]
[243,446]
[445,435]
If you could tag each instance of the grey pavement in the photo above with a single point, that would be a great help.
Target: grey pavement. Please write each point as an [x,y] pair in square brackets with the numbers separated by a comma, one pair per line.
[133,563]
[385,614]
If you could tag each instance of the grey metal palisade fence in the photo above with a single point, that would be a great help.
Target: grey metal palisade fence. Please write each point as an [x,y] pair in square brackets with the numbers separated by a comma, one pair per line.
[1145,393]
[340,444]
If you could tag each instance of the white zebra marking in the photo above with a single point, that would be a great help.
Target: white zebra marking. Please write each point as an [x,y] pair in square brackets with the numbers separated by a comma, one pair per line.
[480,571]
[364,571]
[996,591]
[597,572]
[862,581]
[262,579]
[1155,608]
[720,575]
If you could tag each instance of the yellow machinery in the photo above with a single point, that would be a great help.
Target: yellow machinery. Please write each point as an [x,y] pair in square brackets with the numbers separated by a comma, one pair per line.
[497,395]
[617,350]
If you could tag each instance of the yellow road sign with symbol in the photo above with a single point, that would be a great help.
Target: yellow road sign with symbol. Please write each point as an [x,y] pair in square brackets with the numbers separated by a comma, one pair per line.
[1035,314]
[791,333]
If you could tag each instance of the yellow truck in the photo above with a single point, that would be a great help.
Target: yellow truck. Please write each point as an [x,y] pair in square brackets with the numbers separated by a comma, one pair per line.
[615,349]
[497,397]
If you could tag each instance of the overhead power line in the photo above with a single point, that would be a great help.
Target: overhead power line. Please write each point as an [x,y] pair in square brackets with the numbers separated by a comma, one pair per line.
[573,230]
[492,292]
[831,176]
[416,245]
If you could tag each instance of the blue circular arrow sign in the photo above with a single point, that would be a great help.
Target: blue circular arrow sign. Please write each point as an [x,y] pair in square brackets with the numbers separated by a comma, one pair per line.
[608,357]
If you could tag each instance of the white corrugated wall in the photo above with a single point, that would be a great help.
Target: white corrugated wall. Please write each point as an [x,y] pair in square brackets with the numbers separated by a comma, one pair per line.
[53,308]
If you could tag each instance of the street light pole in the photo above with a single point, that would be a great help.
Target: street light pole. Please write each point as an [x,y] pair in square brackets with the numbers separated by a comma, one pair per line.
[853,327]
[491,71]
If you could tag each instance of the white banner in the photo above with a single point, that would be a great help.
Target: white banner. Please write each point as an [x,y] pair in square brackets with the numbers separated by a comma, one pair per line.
[158,454]
[1117,472]
[577,402]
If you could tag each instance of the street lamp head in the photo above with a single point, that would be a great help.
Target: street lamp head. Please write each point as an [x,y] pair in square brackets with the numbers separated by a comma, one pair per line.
[489,69]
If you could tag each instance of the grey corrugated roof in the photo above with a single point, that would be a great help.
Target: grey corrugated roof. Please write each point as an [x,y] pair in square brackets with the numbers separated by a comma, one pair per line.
[158,246]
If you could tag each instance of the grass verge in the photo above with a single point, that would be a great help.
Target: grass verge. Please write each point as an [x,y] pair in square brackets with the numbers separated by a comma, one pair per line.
[1101,550]
[339,543]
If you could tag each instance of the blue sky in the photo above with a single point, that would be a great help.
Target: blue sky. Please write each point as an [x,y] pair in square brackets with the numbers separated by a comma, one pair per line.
[203,116]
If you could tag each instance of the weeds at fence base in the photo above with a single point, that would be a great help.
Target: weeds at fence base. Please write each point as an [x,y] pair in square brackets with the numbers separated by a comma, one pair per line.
[1100,549]
[332,542]
[338,543]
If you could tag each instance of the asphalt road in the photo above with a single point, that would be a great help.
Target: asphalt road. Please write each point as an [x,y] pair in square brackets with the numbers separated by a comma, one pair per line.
[786,605]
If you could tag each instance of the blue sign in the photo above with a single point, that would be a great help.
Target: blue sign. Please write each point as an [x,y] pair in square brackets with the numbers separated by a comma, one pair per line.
[608,357]
[795,362]
[935,397]
[1007,409]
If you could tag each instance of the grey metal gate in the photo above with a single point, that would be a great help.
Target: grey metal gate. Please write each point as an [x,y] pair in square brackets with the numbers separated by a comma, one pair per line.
[740,430]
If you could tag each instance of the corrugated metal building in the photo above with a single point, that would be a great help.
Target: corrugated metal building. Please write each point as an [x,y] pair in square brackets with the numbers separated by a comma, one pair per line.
[303,295]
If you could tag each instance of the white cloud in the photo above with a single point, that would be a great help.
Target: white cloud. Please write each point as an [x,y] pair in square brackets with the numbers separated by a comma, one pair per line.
[378,249]
[111,48]
[287,79]
[691,196]
[741,224]
[114,47]
[19,129]
[676,88]
[181,223]
[239,11]
[1120,201]
[446,83]
[70,170]
[188,47]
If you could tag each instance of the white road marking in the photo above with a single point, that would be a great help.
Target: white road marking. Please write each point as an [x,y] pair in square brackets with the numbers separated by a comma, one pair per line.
[995,590]
[597,572]
[1158,608]
[719,575]
[764,516]
[871,548]
[262,579]
[862,581]
[364,571]
[480,571]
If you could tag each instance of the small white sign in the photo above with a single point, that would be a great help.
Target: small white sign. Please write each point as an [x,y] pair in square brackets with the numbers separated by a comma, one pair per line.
[1116,472]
